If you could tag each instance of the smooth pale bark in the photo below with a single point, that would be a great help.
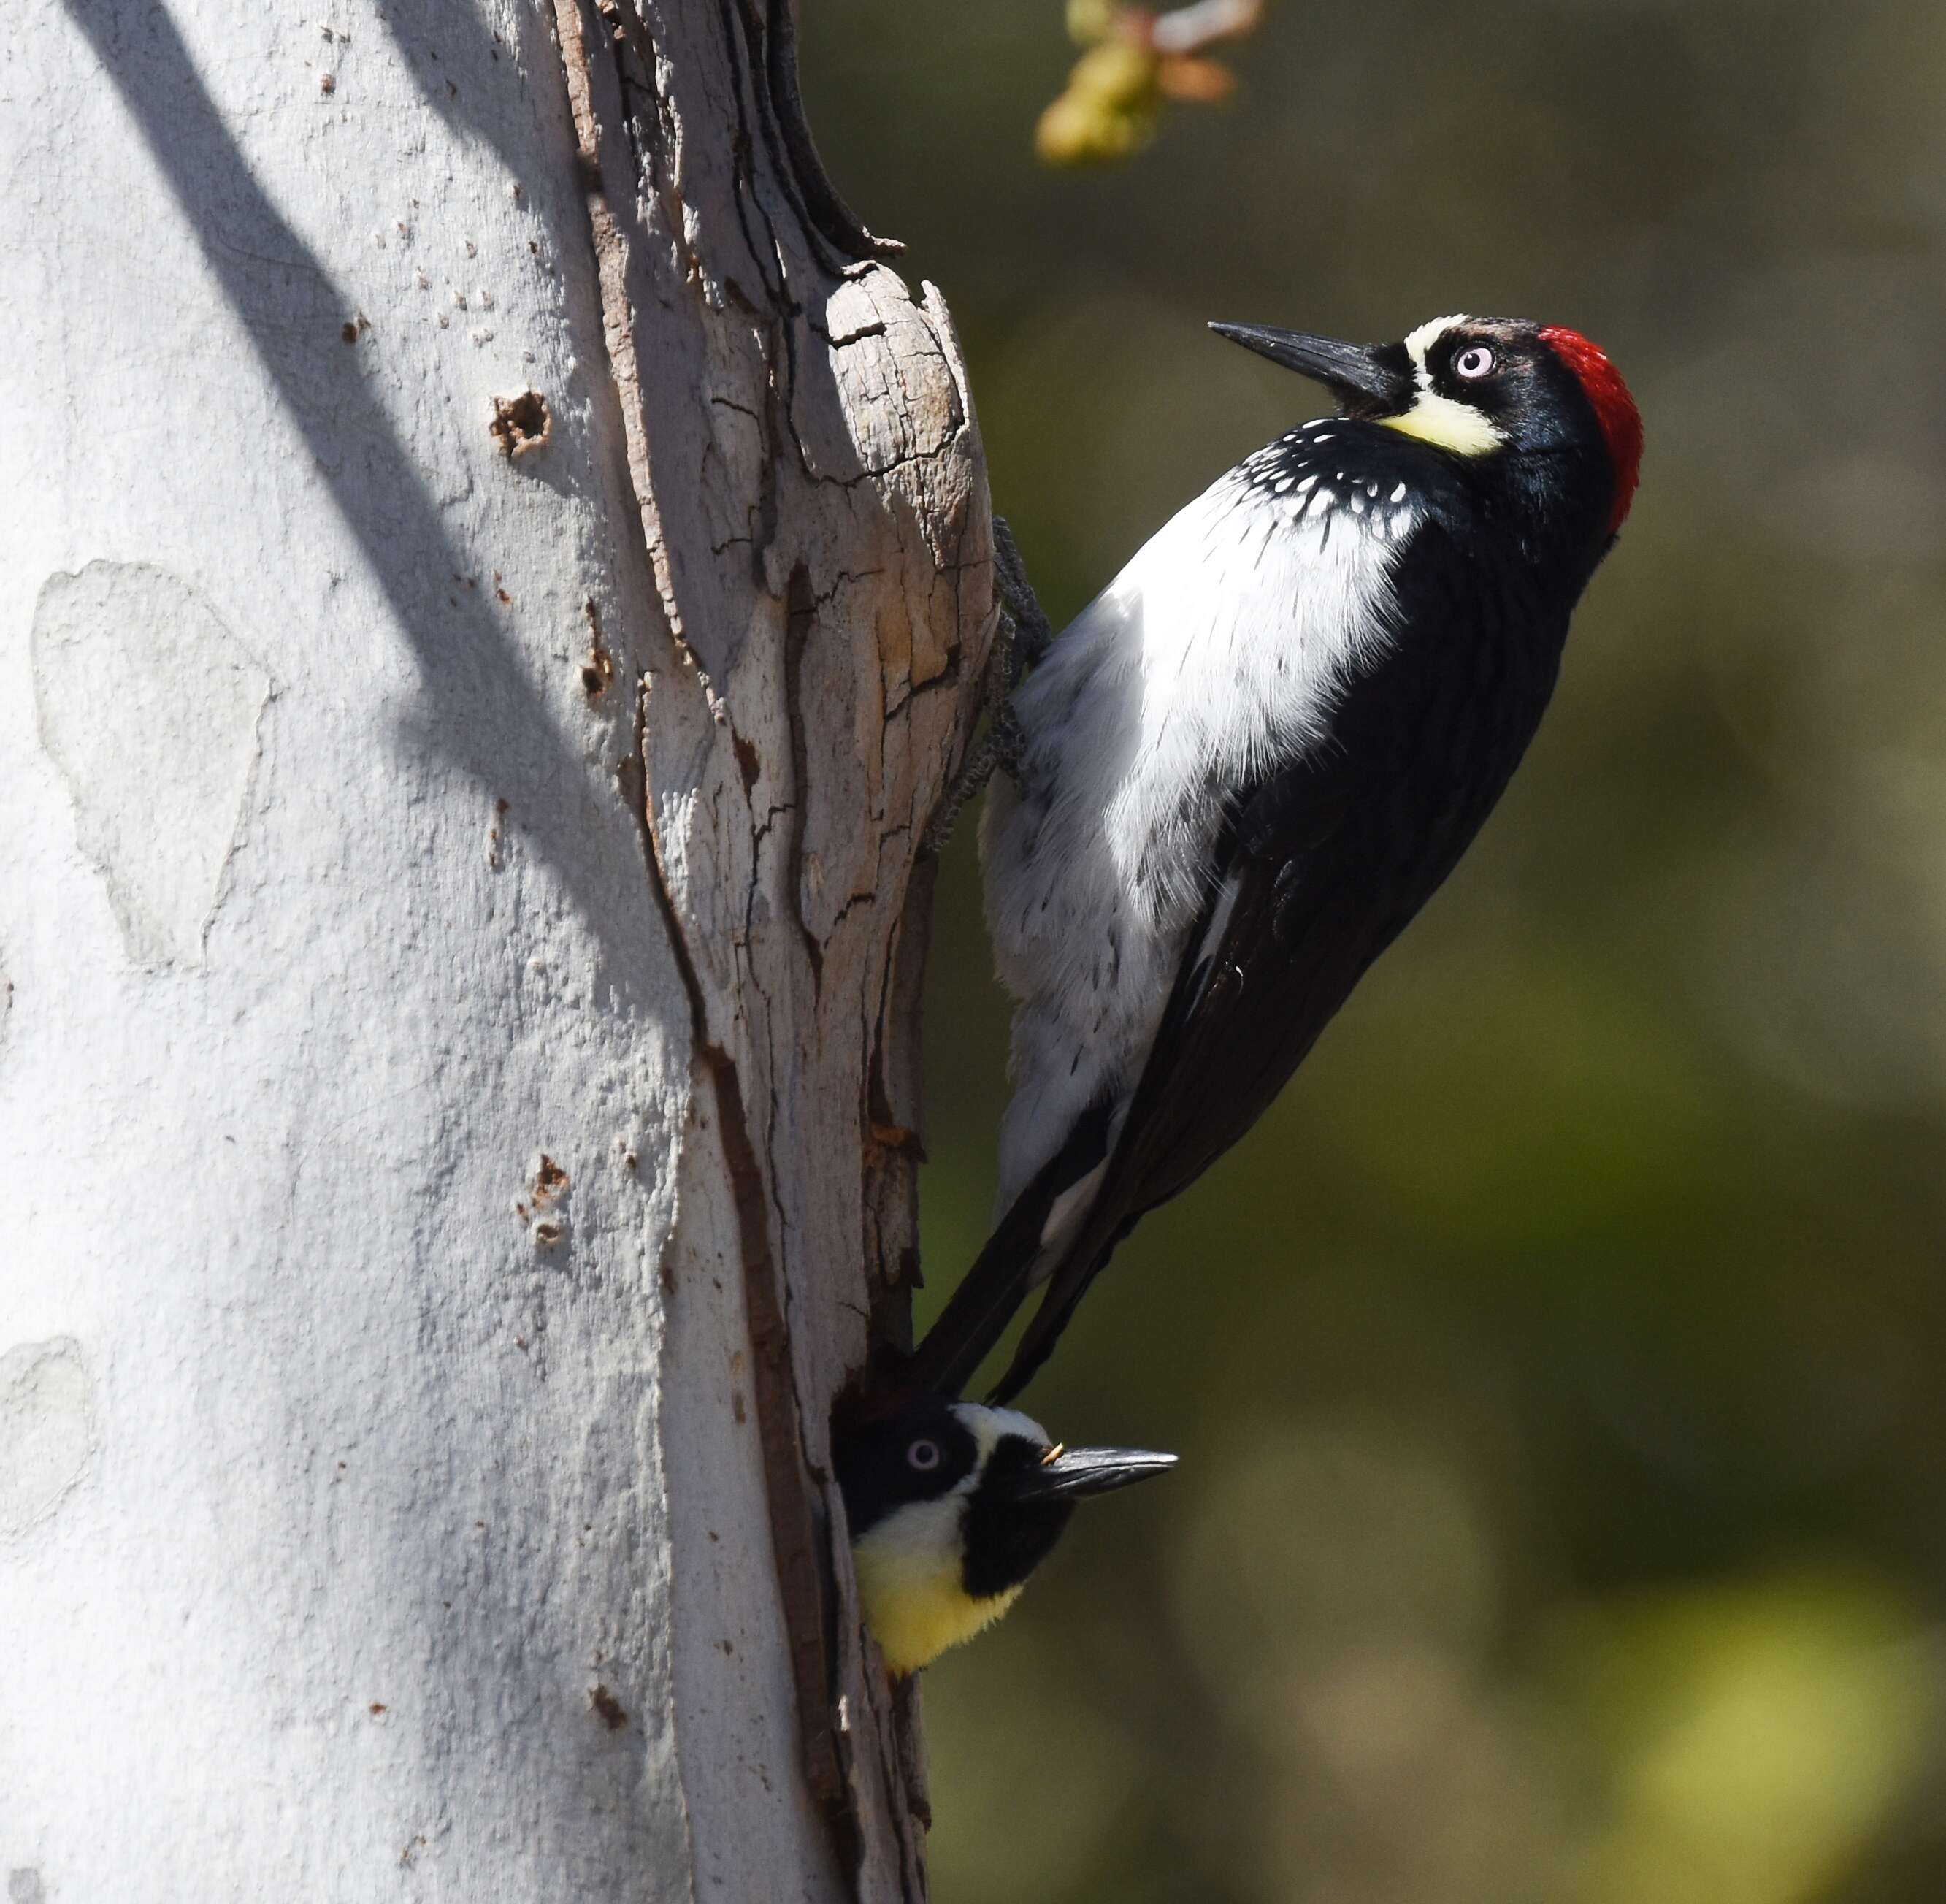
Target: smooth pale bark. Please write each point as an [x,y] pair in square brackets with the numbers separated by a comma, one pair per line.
[459,951]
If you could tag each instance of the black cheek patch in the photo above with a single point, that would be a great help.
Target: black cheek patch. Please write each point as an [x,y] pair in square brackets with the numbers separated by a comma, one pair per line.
[1005,1540]
[1007,1537]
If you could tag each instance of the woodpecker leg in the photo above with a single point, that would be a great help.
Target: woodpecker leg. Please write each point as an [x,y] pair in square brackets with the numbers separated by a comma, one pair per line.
[1019,641]
[999,746]
[1032,632]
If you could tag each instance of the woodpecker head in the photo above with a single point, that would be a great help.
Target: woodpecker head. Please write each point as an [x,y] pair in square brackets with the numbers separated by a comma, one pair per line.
[951,1505]
[1490,391]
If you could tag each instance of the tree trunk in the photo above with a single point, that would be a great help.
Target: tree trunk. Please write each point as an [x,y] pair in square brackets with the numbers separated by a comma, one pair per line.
[500,569]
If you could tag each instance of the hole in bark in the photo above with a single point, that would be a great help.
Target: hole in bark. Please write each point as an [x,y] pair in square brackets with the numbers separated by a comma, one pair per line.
[521,423]
[608,1708]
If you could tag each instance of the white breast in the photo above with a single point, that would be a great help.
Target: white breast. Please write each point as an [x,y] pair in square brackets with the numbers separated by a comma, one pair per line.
[1216,652]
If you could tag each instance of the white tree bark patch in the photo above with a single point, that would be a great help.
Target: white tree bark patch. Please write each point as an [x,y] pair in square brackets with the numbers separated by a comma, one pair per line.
[46,1429]
[149,706]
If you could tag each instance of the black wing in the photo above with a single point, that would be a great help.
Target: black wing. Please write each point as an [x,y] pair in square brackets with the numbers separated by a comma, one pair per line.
[1252,995]
[1325,863]
[1266,837]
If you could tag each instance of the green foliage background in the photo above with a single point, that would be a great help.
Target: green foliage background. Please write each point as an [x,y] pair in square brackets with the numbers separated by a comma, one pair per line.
[1557,1369]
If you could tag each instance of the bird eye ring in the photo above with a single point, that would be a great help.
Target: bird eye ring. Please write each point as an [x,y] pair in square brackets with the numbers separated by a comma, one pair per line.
[923,1456]
[1476,362]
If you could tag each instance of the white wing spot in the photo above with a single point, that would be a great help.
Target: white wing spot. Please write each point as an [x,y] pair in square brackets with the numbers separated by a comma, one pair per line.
[1398,494]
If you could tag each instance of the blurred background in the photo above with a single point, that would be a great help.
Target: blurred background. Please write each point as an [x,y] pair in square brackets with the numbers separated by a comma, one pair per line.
[1556,1369]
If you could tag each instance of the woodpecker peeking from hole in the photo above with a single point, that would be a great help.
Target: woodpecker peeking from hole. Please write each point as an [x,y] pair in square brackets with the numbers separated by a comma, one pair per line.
[951,1506]
[1252,759]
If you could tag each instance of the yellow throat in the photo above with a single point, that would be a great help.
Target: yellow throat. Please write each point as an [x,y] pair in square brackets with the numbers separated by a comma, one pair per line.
[911,1579]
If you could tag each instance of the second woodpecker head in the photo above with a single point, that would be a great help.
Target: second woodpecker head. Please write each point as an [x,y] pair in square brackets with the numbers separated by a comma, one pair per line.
[1502,395]
[951,1505]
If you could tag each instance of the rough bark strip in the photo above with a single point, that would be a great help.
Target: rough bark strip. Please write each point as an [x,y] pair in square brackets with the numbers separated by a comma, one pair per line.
[612,261]
[804,1581]
[806,474]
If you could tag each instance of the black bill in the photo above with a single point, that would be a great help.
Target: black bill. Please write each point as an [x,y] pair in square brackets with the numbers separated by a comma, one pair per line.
[1071,1473]
[1371,377]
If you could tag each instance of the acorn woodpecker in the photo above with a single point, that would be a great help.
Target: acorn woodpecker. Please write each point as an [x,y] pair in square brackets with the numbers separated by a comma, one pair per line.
[951,1506]
[1252,759]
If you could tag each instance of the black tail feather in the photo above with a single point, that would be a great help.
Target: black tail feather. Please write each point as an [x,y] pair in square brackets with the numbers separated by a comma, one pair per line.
[977,1314]
[1003,1275]
[1086,1258]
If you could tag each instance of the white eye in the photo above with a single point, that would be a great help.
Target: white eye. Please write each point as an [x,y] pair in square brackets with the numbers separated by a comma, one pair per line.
[1475,361]
[923,1456]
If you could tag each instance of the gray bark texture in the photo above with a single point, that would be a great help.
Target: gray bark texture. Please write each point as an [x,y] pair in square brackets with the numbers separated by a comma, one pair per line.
[500,571]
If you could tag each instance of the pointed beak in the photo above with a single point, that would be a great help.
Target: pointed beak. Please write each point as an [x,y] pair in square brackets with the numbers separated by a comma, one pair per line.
[1365,378]
[1067,1473]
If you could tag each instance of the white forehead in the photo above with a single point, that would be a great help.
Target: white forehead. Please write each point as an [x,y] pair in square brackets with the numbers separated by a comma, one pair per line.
[988,1426]
[1423,340]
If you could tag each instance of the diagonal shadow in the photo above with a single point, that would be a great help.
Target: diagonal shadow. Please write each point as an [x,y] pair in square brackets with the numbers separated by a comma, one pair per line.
[450,51]
[478,709]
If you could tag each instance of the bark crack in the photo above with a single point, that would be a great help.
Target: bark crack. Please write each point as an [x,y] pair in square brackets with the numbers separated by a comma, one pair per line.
[801,613]
[802,1567]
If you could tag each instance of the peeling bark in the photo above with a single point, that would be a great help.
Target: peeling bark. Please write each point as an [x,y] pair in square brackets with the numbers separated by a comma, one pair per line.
[469,804]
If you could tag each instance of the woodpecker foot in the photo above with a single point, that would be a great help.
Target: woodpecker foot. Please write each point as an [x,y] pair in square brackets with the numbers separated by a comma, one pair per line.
[999,746]
[1032,631]
[1019,640]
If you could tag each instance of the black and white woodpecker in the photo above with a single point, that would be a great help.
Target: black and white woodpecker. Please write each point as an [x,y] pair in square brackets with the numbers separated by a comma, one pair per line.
[951,1506]
[1254,755]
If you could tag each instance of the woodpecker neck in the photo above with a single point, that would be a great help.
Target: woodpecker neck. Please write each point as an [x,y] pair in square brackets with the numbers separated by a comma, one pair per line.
[1615,414]
[1555,501]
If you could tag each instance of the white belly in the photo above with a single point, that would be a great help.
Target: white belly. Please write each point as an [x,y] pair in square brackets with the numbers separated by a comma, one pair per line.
[1216,653]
